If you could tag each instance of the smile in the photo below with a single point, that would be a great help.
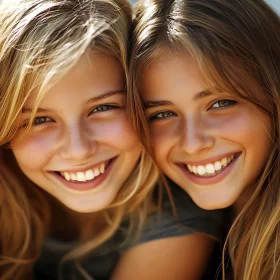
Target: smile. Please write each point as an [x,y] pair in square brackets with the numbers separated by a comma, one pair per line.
[85,179]
[211,169]
[84,176]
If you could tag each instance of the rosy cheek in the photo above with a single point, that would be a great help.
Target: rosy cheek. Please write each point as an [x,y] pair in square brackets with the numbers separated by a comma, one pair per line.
[165,132]
[116,132]
[34,152]
[163,139]
[241,126]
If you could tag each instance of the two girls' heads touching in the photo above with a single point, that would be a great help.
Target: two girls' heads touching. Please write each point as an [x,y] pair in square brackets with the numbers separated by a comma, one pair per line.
[207,73]
[75,179]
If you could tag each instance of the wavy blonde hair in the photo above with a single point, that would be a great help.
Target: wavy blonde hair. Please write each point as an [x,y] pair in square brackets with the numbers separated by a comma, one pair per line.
[40,41]
[227,39]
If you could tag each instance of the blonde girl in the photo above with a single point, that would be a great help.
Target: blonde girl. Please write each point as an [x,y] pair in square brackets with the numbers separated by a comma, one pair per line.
[208,74]
[76,185]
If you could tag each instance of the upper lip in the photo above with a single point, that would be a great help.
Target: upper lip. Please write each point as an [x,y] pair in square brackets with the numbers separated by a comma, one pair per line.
[210,159]
[85,168]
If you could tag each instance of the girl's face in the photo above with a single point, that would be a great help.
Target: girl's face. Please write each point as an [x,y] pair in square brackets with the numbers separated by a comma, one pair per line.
[211,143]
[81,148]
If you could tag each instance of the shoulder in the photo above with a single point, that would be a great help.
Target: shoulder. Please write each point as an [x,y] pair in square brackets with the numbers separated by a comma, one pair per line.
[172,246]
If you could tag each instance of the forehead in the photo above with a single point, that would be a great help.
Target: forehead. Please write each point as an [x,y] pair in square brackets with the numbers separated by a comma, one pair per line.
[171,72]
[94,73]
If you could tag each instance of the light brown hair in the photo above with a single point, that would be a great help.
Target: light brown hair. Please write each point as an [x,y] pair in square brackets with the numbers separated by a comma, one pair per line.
[231,41]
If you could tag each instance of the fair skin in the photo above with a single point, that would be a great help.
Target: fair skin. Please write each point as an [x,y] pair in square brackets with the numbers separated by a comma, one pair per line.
[80,129]
[212,143]
[178,258]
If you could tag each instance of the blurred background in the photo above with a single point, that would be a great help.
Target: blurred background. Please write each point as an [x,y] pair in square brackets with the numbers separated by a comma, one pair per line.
[275,4]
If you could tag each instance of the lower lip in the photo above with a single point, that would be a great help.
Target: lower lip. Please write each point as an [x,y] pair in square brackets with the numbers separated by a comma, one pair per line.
[213,179]
[88,185]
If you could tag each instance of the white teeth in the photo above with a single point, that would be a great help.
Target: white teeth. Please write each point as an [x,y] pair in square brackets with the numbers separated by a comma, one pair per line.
[89,174]
[201,170]
[67,176]
[102,168]
[194,169]
[224,162]
[73,176]
[96,172]
[210,169]
[217,165]
[84,176]
[81,176]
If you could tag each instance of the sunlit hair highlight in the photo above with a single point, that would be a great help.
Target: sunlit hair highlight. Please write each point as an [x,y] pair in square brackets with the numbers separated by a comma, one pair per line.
[235,44]
[41,40]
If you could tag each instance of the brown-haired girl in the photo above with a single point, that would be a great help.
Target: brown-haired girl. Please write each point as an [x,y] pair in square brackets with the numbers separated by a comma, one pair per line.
[208,73]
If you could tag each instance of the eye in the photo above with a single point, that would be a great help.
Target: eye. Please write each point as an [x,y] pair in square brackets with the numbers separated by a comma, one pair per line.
[162,115]
[224,103]
[103,108]
[41,120]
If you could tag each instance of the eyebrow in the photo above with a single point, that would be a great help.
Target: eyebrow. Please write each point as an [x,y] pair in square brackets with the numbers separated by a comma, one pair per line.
[39,110]
[202,94]
[91,100]
[154,103]
[105,95]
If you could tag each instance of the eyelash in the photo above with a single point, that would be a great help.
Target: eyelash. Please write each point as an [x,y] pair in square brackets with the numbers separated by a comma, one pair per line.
[37,121]
[223,107]
[100,108]
[167,114]
[42,120]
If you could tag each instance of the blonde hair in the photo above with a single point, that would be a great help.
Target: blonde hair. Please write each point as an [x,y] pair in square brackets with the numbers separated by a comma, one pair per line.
[41,40]
[227,39]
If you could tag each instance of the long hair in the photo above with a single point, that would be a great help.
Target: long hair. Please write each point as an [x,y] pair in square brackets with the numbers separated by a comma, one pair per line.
[231,41]
[41,40]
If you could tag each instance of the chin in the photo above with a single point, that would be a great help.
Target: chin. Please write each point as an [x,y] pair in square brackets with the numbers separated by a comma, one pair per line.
[90,205]
[212,203]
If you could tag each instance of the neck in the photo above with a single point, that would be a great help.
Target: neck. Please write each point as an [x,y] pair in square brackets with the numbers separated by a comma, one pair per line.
[69,225]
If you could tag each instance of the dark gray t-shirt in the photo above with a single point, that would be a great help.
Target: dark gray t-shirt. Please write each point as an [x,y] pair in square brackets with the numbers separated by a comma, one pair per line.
[100,265]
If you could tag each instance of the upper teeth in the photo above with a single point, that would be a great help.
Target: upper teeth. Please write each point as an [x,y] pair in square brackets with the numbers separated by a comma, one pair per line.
[84,176]
[210,168]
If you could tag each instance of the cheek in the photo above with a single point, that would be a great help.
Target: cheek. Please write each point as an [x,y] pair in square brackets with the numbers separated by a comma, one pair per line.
[251,129]
[34,152]
[164,137]
[118,133]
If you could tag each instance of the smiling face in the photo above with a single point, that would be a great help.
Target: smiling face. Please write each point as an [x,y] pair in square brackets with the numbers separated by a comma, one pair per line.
[212,143]
[81,148]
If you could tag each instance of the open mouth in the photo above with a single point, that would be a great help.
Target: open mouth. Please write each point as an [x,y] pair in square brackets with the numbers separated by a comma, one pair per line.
[213,168]
[83,180]
[87,175]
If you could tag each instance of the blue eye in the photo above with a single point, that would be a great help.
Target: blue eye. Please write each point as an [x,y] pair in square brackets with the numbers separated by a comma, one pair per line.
[41,120]
[103,108]
[162,115]
[223,103]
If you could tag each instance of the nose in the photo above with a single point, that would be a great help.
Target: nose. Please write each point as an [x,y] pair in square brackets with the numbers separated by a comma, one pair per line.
[195,137]
[78,144]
